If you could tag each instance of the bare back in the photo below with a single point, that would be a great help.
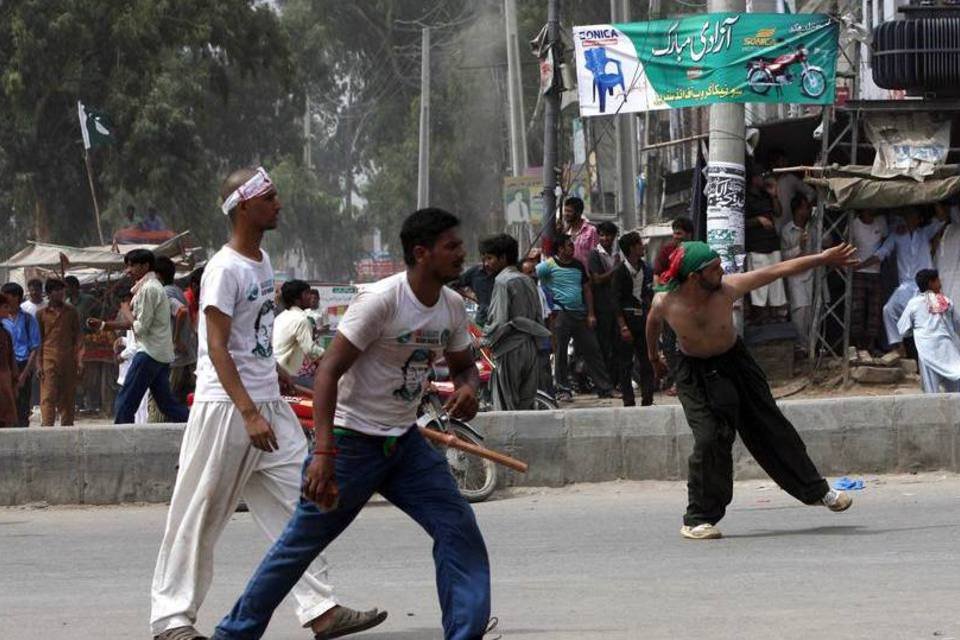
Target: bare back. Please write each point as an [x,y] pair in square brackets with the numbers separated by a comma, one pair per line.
[703,323]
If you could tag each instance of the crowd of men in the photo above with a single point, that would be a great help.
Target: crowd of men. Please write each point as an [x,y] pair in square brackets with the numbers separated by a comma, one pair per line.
[156,327]
[597,288]
[594,292]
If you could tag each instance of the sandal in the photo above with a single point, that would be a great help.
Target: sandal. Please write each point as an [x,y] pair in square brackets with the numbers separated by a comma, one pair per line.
[180,633]
[347,621]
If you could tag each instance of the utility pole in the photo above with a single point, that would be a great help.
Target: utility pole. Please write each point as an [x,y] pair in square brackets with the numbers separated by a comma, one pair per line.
[307,136]
[551,122]
[349,143]
[518,130]
[726,177]
[423,171]
[626,125]
[651,159]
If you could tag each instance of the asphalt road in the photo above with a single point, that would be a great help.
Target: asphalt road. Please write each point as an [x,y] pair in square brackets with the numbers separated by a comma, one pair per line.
[589,561]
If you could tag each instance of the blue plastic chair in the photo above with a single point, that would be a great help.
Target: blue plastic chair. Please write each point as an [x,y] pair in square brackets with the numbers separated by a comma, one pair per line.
[596,63]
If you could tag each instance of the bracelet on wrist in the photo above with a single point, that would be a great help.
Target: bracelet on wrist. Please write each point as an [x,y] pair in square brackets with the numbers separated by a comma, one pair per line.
[326,452]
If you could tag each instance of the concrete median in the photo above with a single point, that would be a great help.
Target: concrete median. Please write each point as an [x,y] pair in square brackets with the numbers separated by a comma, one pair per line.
[110,465]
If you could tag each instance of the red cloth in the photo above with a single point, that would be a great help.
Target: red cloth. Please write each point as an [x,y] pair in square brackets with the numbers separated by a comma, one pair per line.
[662,262]
[193,304]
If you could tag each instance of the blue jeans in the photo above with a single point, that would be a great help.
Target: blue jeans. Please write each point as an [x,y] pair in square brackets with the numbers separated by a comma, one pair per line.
[146,373]
[415,478]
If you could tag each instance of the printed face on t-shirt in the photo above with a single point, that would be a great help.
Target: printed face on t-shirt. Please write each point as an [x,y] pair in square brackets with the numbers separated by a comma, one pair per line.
[263,326]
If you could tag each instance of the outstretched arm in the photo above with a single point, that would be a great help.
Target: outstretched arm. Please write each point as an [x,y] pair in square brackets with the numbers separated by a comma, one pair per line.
[743,283]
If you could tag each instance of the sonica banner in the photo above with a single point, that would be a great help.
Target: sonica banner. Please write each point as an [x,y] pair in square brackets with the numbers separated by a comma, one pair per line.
[703,59]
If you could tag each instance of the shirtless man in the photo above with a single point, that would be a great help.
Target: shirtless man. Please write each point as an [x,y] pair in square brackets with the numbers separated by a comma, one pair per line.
[721,388]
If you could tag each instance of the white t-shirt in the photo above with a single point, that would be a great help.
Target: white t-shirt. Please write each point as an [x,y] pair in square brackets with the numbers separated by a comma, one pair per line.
[400,338]
[242,289]
[32,308]
[867,238]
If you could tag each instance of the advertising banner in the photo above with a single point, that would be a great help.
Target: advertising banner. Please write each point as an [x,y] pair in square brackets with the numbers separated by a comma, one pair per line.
[704,59]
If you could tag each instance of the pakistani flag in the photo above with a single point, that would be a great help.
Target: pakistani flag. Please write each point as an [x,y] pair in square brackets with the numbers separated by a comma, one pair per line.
[95,127]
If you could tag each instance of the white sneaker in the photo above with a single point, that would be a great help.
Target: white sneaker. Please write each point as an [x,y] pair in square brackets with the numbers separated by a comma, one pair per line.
[837,500]
[703,531]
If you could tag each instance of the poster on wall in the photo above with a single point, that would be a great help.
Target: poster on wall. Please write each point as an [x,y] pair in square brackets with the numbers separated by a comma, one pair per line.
[703,59]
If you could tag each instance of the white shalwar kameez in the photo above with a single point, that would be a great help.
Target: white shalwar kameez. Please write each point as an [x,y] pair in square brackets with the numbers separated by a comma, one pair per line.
[913,255]
[937,340]
[948,256]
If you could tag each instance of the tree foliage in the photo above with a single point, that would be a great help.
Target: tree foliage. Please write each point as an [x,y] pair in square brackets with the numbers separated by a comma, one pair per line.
[195,88]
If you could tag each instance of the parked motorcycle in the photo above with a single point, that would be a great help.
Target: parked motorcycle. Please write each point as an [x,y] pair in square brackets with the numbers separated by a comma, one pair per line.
[476,477]
[485,366]
[763,73]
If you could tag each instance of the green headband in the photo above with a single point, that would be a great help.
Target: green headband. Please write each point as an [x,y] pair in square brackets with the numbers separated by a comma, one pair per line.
[689,257]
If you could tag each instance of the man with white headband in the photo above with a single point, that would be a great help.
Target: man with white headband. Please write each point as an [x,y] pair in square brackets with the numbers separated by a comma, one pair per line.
[242,440]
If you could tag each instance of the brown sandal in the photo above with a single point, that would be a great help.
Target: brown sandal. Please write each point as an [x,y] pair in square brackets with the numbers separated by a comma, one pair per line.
[180,633]
[347,621]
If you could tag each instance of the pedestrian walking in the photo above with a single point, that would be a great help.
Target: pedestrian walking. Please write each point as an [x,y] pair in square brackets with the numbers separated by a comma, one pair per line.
[934,322]
[633,286]
[602,264]
[25,333]
[149,317]
[576,319]
[61,356]
[368,388]
[242,438]
[514,326]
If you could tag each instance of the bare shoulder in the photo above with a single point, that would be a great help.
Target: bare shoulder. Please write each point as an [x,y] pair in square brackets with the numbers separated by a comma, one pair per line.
[661,301]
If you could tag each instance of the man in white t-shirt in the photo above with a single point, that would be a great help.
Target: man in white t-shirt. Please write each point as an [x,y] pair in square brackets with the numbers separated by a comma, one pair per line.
[367,391]
[867,232]
[242,440]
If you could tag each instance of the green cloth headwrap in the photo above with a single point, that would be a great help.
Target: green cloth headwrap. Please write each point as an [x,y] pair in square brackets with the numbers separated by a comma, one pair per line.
[689,257]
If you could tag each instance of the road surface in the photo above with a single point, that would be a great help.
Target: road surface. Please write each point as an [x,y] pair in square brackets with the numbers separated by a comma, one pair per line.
[587,561]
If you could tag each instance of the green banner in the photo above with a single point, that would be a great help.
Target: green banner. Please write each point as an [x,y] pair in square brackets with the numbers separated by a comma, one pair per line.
[703,59]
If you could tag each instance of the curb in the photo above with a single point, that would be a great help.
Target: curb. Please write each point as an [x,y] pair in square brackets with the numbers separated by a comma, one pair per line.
[117,464]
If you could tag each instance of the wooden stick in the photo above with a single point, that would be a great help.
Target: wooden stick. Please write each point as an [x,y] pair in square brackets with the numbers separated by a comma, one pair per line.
[450,440]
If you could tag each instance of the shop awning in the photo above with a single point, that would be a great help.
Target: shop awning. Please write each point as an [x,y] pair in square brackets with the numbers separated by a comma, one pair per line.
[54,256]
[853,187]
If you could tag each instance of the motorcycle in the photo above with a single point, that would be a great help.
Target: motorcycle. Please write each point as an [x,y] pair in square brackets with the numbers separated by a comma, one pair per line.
[444,387]
[476,477]
[763,73]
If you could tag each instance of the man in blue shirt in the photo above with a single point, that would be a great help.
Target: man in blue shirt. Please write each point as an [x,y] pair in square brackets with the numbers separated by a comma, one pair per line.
[567,280]
[25,332]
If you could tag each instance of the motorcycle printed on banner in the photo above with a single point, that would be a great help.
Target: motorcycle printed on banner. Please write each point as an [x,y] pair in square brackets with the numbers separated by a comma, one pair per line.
[699,60]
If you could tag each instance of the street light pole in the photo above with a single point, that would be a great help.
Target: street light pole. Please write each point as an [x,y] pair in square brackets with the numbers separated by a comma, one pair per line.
[423,164]
[518,132]
[626,125]
[551,123]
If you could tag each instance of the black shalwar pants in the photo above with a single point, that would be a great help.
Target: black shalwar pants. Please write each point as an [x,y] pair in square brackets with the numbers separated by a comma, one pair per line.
[721,397]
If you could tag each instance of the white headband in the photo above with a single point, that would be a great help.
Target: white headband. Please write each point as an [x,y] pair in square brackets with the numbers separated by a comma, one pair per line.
[258,184]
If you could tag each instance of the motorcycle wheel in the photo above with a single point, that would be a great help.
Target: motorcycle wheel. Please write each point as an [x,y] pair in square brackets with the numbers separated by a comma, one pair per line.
[760,81]
[813,83]
[543,402]
[476,477]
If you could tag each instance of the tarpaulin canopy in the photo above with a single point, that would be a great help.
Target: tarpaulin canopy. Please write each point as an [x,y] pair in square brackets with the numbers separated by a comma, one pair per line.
[853,187]
[54,256]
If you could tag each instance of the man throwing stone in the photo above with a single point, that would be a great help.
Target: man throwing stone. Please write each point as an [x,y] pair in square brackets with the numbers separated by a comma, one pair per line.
[242,439]
[721,388]
[367,391]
